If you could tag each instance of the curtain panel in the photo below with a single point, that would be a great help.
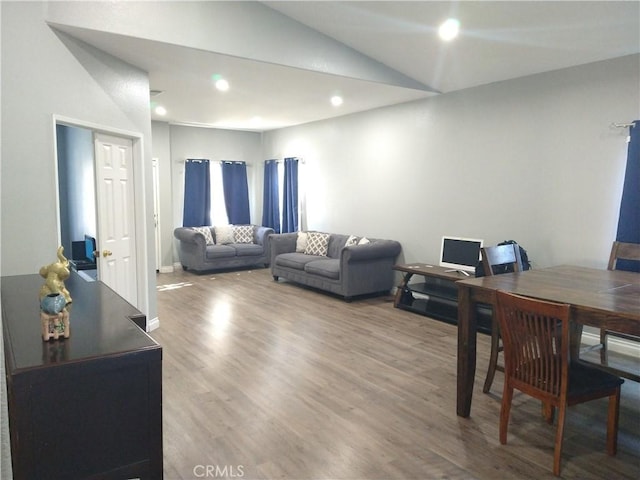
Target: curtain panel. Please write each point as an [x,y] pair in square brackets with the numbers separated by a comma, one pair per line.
[629,220]
[290,200]
[271,196]
[236,192]
[197,193]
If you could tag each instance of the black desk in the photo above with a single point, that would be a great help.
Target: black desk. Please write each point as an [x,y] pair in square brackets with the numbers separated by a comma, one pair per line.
[89,406]
[437,296]
[82,265]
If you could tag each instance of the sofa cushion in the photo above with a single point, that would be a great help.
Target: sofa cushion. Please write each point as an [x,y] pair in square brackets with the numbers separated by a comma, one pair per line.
[224,234]
[294,260]
[352,240]
[246,249]
[220,251]
[317,244]
[326,267]
[206,231]
[301,242]
[243,233]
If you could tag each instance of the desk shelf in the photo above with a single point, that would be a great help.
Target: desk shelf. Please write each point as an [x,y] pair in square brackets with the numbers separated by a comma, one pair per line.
[436,296]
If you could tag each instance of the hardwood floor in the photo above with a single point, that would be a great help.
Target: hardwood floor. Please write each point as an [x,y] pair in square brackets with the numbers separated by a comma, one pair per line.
[266,380]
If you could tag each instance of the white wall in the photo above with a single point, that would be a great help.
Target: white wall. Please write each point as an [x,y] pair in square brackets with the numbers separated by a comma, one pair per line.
[45,75]
[76,85]
[81,83]
[532,159]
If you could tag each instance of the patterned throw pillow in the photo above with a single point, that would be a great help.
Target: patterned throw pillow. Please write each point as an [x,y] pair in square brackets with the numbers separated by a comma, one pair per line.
[317,244]
[224,234]
[352,240]
[364,241]
[243,233]
[301,242]
[206,231]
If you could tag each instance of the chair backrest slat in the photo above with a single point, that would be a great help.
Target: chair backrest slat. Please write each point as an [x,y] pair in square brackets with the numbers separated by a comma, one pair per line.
[536,343]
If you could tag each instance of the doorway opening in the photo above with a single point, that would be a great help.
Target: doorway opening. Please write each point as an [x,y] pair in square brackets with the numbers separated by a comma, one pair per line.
[87,204]
[77,198]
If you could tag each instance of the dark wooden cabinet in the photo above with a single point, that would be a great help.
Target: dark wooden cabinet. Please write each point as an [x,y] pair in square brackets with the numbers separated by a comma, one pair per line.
[85,407]
[435,295]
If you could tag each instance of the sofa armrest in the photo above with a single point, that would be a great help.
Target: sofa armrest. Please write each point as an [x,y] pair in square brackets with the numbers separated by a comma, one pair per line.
[262,234]
[263,237]
[373,250]
[188,235]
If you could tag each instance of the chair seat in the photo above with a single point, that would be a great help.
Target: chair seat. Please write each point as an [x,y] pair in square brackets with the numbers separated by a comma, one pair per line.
[584,380]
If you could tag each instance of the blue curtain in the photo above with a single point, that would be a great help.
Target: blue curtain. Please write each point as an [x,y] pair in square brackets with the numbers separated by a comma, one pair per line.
[290,200]
[629,220]
[236,192]
[197,193]
[271,197]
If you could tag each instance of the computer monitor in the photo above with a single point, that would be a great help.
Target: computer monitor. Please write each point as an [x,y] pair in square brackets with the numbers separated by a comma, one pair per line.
[89,248]
[460,253]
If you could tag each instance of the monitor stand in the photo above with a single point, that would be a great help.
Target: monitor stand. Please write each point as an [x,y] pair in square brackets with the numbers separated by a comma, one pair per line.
[462,272]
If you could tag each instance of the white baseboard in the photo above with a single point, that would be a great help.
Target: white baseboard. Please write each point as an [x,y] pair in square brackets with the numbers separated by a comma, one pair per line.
[153,324]
[166,269]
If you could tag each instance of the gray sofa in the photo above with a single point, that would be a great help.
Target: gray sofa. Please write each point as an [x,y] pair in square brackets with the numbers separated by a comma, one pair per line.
[199,255]
[347,271]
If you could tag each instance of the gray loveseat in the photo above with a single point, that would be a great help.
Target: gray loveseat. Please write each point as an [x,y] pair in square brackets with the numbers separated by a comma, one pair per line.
[344,270]
[244,246]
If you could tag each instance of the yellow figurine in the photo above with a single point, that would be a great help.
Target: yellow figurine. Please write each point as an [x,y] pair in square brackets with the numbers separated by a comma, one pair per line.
[55,300]
[54,276]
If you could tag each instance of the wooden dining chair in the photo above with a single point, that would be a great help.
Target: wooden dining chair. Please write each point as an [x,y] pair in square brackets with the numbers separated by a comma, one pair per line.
[537,363]
[619,251]
[494,261]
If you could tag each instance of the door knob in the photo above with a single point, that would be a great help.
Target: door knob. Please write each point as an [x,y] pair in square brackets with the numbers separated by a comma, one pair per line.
[106,253]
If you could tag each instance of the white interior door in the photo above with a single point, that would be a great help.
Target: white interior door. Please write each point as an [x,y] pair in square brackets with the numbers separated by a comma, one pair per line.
[115,204]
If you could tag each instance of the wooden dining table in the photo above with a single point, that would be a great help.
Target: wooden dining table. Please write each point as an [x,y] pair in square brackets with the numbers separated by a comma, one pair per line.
[598,298]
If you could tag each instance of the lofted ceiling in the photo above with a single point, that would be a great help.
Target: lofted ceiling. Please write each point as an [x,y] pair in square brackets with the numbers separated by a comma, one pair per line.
[498,41]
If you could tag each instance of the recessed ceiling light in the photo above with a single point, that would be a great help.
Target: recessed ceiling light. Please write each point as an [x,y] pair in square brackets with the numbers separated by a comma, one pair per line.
[222,85]
[160,110]
[449,29]
[336,100]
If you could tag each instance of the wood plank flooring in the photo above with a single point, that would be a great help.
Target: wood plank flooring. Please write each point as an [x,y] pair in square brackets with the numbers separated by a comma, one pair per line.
[266,380]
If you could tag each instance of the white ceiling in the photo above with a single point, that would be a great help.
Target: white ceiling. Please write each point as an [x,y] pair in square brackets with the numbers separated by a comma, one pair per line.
[498,41]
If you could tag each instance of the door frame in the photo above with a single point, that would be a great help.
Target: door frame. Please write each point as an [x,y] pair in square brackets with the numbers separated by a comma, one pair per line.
[139,207]
[155,165]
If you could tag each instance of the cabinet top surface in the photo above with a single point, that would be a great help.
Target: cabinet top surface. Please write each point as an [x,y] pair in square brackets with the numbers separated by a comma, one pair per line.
[100,324]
